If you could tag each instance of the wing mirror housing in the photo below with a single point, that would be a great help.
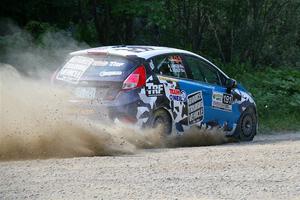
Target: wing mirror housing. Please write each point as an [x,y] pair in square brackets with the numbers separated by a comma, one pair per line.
[231,83]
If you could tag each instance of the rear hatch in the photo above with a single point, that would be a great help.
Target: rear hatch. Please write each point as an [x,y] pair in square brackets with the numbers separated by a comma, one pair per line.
[96,77]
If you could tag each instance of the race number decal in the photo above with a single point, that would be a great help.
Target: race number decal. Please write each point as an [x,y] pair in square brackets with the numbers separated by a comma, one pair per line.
[227,99]
[222,101]
[195,107]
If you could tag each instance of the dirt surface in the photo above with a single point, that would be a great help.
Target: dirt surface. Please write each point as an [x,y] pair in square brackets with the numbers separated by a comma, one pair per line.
[268,168]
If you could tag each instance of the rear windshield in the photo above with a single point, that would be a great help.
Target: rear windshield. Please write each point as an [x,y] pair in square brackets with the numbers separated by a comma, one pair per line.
[94,65]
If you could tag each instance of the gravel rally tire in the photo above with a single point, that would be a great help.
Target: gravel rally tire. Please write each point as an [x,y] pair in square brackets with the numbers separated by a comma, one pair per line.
[162,119]
[246,128]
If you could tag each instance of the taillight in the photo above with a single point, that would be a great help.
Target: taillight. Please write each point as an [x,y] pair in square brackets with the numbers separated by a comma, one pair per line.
[136,79]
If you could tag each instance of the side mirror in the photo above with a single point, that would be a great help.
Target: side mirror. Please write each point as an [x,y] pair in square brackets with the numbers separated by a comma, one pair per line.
[231,83]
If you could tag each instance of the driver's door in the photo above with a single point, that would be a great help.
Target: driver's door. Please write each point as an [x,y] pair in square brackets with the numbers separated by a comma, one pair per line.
[219,107]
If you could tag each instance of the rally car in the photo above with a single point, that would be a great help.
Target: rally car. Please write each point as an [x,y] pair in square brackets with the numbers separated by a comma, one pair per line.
[149,86]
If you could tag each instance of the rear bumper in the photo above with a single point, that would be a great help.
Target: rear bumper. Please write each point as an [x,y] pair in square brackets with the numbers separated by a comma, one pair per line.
[80,109]
[123,108]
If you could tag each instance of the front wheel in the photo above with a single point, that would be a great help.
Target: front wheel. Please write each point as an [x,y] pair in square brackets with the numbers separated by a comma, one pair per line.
[246,128]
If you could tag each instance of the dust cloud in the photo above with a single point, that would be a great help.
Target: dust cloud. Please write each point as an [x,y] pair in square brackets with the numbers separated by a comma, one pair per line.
[35,125]
[198,137]
[35,56]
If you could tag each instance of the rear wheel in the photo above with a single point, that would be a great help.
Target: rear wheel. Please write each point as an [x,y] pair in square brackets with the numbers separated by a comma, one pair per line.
[162,120]
[246,128]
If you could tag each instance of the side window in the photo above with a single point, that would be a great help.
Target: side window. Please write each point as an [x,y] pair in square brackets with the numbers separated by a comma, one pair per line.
[202,71]
[169,65]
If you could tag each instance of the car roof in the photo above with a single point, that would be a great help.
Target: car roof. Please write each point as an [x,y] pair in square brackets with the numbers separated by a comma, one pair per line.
[137,50]
[131,50]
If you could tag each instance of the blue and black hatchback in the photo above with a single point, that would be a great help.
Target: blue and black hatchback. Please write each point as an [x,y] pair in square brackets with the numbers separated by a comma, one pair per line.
[150,86]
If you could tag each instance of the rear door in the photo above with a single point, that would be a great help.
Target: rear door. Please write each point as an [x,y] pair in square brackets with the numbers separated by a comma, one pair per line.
[184,98]
[218,104]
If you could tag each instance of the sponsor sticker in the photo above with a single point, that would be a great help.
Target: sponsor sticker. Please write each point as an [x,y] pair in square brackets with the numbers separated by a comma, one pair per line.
[74,69]
[116,64]
[175,59]
[176,65]
[195,107]
[177,68]
[222,101]
[177,95]
[151,64]
[217,96]
[153,90]
[100,63]
[110,73]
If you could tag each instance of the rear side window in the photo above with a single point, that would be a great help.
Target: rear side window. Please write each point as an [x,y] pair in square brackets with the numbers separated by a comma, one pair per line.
[169,65]
[93,65]
[202,71]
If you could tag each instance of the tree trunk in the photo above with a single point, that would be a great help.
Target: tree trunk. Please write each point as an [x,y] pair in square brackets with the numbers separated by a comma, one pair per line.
[217,39]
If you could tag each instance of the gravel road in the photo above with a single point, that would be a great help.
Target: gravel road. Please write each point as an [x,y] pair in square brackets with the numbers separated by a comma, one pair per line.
[267,168]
